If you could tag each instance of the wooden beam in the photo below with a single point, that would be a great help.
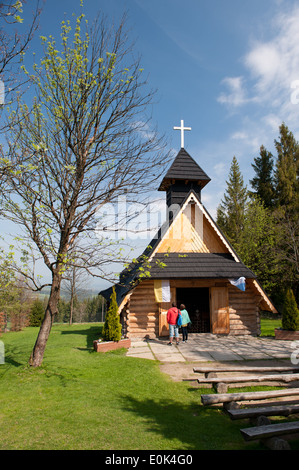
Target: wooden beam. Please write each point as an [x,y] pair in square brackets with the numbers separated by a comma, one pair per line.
[193,215]
[277,410]
[212,399]
[204,370]
[250,378]
[270,430]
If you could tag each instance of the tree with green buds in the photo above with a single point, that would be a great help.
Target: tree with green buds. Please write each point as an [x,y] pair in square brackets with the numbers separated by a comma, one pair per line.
[83,143]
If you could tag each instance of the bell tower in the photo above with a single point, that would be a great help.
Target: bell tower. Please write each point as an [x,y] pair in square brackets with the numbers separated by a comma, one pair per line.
[183,176]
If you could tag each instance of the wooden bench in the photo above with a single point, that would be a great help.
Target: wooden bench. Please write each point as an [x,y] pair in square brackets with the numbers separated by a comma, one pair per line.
[221,382]
[212,398]
[250,378]
[276,410]
[208,370]
[271,434]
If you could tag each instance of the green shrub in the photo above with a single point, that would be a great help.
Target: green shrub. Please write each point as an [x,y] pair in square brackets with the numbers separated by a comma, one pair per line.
[290,313]
[112,327]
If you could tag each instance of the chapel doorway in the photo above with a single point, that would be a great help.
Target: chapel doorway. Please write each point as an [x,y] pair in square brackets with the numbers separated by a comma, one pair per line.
[197,302]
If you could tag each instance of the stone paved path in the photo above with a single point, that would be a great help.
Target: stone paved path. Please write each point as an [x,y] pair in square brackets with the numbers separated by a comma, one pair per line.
[209,347]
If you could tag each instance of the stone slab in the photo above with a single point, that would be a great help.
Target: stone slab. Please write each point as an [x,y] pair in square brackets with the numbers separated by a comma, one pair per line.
[212,348]
[143,355]
[170,357]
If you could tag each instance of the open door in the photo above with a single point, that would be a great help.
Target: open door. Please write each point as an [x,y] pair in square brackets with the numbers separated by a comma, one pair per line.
[197,302]
[219,310]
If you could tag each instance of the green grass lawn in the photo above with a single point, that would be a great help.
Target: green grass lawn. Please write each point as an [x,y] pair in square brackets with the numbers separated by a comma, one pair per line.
[268,326]
[80,399]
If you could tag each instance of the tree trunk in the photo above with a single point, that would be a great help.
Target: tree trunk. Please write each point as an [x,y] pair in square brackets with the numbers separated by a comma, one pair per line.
[37,354]
[73,281]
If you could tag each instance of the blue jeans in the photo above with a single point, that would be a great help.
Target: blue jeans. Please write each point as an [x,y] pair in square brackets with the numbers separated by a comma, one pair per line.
[173,330]
[185,332]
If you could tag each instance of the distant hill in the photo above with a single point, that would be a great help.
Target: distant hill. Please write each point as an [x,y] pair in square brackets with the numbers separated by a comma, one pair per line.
[82,294]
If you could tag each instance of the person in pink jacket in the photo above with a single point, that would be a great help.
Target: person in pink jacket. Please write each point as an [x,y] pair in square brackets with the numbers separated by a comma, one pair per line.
[172,318]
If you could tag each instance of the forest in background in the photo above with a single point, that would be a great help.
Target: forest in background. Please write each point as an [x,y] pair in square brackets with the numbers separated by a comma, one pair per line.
[20,307]
[262,223]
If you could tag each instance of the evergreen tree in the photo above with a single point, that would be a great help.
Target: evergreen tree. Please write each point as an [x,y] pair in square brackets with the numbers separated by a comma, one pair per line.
[287,204]
[230,213]
[112,327]
[290,314]
[37,313]
[287,167]
[262,183]
[63,314]
[257,246]
[93,308]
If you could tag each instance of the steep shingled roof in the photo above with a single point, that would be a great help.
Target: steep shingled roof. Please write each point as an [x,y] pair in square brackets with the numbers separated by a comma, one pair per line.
[184,168]
[198,265]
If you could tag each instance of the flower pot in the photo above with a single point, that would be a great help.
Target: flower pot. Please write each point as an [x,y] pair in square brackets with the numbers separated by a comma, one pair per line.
[286,334]
[104,346]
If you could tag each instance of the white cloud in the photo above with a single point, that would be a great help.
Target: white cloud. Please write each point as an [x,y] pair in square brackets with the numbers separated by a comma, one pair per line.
[272,121]
[240,136]
[264,62]
[219,168]
[269,83]
[236,95]
[271,67]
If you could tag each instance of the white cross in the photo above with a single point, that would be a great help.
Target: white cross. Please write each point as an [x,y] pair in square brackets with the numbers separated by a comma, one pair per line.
[182,129]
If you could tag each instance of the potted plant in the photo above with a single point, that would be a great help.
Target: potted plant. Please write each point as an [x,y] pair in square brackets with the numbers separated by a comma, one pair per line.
[111,333]
[290,319]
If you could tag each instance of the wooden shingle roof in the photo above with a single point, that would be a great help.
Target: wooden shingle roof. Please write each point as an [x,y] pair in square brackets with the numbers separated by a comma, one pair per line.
[198,265]
[184,168]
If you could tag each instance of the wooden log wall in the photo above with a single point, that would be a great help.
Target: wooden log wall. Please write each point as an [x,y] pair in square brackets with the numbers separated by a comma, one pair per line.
[143,319]
[142,311]
[243,311]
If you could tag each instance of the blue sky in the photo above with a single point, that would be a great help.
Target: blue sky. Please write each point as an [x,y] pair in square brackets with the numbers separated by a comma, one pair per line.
[229,68]
[225,67]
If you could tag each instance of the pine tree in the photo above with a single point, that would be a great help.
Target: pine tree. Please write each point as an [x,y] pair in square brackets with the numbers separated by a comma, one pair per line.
[287,167]
[37,313]
[287,203]
[257,246]
[112,327]
[290,313]
[262,183]
[93,308]
[230,213]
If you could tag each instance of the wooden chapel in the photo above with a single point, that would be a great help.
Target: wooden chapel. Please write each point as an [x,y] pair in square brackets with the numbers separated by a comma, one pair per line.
[191,262]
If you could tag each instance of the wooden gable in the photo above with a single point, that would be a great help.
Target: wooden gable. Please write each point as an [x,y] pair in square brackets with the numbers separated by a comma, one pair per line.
[192,231]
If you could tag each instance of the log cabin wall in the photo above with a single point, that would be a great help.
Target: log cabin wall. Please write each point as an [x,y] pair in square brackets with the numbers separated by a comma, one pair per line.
[146,318]
[244,314]
[143,317]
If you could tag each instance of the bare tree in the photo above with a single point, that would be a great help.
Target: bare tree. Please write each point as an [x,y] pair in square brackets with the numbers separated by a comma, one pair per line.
[86,143]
